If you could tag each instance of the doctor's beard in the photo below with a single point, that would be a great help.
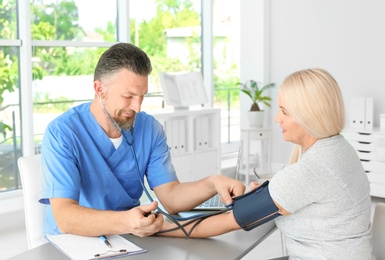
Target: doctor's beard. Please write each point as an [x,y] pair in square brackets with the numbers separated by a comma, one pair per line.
[125,122]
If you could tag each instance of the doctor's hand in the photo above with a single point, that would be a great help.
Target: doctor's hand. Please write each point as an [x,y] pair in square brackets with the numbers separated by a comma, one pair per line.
[227,188]
[141,222]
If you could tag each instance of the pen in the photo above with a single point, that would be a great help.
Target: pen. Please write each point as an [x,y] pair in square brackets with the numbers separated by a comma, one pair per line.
[104,238]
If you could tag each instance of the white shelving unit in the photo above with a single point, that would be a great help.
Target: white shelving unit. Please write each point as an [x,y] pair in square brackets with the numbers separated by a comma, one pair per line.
[370,147]
[193,137]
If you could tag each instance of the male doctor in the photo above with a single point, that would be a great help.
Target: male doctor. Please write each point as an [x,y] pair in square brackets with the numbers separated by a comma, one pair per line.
[93,155]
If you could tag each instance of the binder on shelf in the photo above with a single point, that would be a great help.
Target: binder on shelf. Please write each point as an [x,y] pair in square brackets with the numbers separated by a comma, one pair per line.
[175,136]
[198,142]
[369,113]
[205,132]
[182,135]
[357,113]
[82,247]
[191,163]
[382,121]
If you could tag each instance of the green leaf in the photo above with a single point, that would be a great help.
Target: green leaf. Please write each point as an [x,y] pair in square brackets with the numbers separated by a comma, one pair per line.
[251,89]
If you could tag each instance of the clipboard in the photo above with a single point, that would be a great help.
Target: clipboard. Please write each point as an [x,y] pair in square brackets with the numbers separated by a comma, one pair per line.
[82,247]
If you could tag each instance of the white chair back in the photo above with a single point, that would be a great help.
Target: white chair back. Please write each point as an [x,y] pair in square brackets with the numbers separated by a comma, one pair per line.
[378,231]
[30,169]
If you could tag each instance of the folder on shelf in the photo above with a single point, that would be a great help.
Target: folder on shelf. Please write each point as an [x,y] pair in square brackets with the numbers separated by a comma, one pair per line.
[198,141]
[369,113]
[82,247]
[175,136]
[182,135]
[205,132]
[357,113]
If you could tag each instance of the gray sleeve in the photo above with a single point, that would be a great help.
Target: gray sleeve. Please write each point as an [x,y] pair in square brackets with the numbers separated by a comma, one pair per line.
[295,187]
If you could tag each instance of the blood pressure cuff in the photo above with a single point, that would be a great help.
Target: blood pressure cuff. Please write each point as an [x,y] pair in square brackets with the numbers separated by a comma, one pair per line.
[255,208]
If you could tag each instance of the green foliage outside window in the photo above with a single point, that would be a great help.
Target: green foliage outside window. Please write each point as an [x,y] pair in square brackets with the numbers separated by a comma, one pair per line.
[8,55]
[59,21]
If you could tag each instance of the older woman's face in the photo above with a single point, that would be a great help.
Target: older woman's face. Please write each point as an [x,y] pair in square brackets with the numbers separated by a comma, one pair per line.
[291,131]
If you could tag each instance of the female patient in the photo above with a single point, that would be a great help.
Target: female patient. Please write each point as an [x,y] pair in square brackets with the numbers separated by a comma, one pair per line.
[323,194]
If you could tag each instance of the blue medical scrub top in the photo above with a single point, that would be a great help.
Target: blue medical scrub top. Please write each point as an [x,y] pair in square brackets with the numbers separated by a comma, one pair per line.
[80,162]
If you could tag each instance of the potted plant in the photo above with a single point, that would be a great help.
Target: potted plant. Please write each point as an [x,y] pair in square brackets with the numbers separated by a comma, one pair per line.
[251,88]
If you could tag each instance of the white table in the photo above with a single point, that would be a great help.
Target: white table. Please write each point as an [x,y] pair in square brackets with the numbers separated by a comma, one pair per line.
[233,245]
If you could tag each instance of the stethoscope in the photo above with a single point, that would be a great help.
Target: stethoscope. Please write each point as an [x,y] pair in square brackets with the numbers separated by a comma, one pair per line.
[197,218]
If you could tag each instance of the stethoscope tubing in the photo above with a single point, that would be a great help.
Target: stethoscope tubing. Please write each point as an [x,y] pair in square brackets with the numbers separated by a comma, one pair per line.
[197,218]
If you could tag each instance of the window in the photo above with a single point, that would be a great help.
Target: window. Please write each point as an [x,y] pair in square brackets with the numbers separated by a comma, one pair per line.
[226,70]
[170,33]
[62,41]
[9,104]
[68,40]
[74,20]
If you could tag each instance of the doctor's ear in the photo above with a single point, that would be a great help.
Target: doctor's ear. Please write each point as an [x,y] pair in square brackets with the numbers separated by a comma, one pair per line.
[100,91]
[98,87]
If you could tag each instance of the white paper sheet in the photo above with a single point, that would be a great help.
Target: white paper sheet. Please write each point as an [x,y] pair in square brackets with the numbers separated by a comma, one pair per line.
[81,247]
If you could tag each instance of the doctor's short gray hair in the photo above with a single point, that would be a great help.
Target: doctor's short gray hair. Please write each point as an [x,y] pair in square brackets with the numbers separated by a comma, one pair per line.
[122,56]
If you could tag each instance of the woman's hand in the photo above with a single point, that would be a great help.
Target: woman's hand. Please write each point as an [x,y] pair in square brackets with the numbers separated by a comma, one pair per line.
[254,185]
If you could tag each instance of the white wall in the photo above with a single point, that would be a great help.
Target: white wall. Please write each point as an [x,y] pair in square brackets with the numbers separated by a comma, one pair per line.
[252,46]
[345,37]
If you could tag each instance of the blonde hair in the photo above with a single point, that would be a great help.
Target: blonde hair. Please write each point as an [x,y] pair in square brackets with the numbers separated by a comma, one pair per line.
[314,100]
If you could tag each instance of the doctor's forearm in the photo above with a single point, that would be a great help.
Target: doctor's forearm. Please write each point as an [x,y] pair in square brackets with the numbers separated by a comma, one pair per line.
[78,220]
[75,219]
